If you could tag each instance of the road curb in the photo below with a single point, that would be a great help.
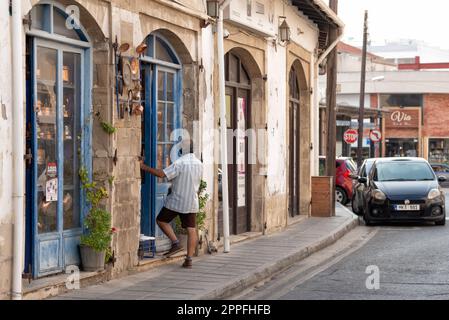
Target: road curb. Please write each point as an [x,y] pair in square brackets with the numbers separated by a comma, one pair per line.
[267,271]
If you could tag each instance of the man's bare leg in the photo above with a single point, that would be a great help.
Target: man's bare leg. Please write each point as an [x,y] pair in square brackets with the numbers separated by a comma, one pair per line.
[168,230]
[191,241]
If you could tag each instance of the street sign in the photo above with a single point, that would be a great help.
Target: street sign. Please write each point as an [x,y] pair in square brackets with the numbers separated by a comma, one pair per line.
[375,135]
[350,136]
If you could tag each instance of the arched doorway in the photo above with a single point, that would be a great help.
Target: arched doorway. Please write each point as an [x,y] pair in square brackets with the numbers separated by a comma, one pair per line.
[161,72]
[238,113]
[294,159]
[58,138]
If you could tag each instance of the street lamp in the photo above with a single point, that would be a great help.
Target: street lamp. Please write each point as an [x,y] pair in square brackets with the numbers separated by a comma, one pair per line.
[284,31]
[213,8]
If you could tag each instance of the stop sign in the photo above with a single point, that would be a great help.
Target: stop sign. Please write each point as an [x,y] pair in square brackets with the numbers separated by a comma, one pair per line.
[350,136]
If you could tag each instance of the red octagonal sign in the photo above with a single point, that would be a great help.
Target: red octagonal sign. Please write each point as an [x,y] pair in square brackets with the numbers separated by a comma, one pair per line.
[350,136]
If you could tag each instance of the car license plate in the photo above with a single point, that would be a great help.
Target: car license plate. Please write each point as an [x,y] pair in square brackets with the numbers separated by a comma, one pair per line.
[406,207]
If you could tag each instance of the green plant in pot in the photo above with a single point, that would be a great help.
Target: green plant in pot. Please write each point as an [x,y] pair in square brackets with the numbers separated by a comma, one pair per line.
[96,241]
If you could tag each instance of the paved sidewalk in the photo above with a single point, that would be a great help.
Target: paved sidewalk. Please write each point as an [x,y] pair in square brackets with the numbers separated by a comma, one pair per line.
[224,274]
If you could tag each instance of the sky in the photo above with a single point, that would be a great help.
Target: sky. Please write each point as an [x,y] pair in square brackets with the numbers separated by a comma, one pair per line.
[397,19]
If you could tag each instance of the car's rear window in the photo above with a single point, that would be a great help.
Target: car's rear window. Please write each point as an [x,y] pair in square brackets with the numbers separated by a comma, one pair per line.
[403,171]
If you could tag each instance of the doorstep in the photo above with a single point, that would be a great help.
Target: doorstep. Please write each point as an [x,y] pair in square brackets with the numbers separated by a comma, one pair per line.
[297,219]
[160,260]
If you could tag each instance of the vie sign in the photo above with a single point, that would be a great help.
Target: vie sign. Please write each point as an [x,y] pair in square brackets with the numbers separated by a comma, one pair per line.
[402,118]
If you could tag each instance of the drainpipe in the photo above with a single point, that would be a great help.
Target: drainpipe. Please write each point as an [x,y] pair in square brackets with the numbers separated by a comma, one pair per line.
[223,126]
[18,188]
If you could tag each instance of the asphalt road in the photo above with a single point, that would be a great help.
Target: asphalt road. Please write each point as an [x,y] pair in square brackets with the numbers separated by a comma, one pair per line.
[405,261]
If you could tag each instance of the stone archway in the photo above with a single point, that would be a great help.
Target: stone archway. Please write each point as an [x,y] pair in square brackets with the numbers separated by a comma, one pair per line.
[298,139]
[247,186]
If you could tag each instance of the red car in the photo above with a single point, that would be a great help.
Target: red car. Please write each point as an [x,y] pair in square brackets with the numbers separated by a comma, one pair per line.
[345,168]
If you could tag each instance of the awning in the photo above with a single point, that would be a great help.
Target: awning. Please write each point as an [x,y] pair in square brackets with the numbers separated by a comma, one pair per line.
[353,112]
[321,15]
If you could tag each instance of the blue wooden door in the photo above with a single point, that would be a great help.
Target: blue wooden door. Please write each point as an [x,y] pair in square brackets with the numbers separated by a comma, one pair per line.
[56,140]
[162,116]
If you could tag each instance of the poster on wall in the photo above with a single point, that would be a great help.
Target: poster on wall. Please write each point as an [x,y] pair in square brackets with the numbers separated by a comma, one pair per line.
[241,155]
[51,190]
[51,185]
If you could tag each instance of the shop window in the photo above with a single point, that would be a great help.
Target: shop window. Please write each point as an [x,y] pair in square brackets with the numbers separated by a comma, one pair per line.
[401,100]
[401,147]
[439,150]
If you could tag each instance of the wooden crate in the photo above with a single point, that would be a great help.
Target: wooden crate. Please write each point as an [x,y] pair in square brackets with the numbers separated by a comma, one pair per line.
[322,188]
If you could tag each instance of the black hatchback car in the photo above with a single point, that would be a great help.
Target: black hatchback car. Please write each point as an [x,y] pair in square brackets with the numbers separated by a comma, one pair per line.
[402,189]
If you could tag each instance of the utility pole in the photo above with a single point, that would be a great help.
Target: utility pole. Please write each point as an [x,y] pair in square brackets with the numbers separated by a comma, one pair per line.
[362,94]
[331,99]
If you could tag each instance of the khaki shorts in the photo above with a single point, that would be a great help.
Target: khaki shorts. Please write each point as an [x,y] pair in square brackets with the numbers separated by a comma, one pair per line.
[188,220]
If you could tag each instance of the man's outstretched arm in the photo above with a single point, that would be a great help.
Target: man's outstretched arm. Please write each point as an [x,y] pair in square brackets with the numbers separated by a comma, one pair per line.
[155,172]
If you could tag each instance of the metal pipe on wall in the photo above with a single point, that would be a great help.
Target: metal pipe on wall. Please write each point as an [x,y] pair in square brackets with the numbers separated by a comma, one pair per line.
[223,131]
[18,183]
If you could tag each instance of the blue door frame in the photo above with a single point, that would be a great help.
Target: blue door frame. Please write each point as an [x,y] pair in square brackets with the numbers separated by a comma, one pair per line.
[162,87]
[50,252]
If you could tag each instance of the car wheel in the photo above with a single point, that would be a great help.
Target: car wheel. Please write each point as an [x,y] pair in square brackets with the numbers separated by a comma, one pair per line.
[340,196]
[441,222]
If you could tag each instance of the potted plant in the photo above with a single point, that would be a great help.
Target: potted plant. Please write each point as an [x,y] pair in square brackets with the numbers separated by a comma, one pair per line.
[95,243]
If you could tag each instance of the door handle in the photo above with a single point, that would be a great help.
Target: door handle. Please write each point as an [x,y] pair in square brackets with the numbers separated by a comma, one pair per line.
[28,157]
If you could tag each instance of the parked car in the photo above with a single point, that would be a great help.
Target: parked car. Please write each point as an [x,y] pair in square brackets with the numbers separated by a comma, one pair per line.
[359,188]
[345,170]
[403,189]
[441,169]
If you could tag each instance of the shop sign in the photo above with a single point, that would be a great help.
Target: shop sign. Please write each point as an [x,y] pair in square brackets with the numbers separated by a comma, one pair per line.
[258,16]
[350,136]
[403,118]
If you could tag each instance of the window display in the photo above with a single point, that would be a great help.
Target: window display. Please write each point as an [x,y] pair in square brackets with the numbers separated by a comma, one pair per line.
[401,147]
[439,150]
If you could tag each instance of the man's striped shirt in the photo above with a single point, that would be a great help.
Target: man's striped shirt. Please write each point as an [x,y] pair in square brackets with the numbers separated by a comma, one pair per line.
[185,175]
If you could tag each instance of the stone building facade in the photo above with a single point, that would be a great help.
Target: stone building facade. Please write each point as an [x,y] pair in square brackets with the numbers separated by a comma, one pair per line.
[73,94]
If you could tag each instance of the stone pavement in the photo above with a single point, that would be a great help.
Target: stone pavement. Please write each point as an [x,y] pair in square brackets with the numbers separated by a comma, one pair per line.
[224,274]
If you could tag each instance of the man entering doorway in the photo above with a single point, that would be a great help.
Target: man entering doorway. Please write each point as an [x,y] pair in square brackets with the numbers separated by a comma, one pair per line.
[185,174]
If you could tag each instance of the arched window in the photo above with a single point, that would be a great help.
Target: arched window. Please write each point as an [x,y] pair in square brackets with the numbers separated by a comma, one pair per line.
[54,20]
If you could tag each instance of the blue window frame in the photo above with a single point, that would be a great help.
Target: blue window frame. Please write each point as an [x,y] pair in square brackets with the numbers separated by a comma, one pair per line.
[59,126]
[162,86]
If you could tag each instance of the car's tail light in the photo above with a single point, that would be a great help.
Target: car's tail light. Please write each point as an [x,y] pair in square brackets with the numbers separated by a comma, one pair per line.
[347,174]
